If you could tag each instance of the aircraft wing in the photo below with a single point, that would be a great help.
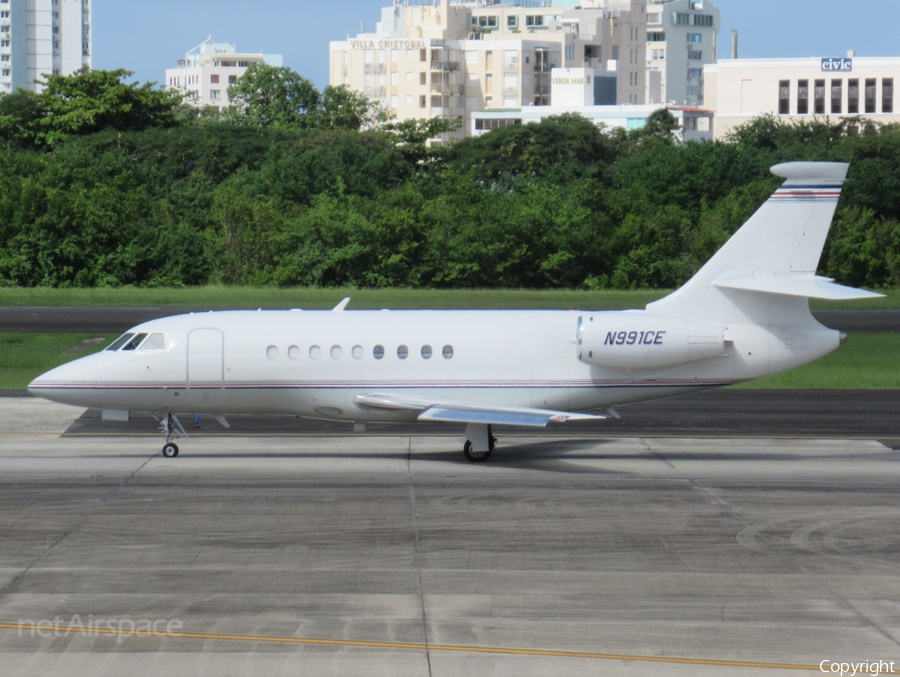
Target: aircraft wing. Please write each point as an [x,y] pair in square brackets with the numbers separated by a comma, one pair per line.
[460,412]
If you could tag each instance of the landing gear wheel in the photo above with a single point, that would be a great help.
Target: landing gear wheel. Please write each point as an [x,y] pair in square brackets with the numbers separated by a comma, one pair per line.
[170,450]
[478,456]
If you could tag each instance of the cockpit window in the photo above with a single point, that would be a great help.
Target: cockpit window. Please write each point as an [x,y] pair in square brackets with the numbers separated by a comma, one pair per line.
[119,342]
[154,342]
[135,342]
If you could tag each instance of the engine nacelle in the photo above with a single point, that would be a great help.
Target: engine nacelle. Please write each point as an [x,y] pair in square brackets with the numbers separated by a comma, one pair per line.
[642,341]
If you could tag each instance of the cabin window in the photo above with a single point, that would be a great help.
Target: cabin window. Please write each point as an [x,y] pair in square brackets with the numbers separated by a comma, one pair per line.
[294,352]
[154,342]
[119,342]
[402,352]
[357,352]
[272,352]
[336,352]
[447,352]
[378,352]
[135,342]
[315,352]
[426,352]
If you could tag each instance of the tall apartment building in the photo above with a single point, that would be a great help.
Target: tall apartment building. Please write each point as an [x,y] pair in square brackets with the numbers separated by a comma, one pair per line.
[681,40]
[42,37]
[451,57]
[205,72]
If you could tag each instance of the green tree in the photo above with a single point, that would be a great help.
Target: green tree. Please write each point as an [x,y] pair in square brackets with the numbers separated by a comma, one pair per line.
[343,108]
[273,96]
[92,100]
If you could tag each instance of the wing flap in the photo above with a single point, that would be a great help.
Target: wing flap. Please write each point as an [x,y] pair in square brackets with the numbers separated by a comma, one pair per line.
[469,413]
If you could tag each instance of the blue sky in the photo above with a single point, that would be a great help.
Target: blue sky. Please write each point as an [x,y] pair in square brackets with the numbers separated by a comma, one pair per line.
[127,34]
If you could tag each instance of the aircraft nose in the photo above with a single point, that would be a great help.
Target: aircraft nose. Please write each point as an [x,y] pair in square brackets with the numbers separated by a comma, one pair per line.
[63,383]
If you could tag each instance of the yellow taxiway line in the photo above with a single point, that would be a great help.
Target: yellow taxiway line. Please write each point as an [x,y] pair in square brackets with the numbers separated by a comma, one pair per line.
[509,651]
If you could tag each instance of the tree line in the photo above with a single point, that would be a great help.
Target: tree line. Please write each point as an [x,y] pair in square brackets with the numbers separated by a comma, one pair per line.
[104,183]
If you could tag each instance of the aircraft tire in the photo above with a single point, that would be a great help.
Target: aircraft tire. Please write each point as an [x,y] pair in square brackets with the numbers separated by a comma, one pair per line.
[476,456]
[170,450]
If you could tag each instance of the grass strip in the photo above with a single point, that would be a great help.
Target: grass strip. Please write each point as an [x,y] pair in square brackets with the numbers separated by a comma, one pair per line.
[23,356]
[219,296]
[866,361]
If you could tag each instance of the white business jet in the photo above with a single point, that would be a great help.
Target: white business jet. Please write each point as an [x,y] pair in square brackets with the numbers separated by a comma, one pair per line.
[744,315]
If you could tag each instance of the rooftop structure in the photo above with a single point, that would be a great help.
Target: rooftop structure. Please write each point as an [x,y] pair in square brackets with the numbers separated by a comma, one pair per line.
[205,72]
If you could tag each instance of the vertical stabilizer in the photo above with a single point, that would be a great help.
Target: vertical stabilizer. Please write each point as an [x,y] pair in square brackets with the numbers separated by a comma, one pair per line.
[770,262]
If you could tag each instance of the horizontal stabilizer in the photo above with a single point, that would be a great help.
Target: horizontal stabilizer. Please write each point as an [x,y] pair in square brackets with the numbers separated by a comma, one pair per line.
[468,413]
[810,286]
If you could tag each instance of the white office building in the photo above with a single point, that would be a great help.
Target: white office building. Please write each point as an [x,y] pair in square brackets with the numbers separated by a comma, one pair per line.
[739,90]
[205,72]
[449,58]
[681,40]
[42,37]
[574,90]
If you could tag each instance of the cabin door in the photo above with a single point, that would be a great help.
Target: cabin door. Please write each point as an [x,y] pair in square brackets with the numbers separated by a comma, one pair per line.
[206,367]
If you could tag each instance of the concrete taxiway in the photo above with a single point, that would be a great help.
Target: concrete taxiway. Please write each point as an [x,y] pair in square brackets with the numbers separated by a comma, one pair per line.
[391,555]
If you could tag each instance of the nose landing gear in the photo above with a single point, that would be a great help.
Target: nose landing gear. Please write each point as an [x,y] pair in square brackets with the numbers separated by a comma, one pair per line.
[171,427]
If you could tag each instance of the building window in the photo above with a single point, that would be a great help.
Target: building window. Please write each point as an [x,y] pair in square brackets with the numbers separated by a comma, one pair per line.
[243,64]
[653,18]
[695,72]
[703,20]
[534,20]
[837,91]
[802,97]
[214,93]
[512,21]
[695,56]
[887,95]
[658,54]
[819,97]
[422,101]
[6,72]
[784,97]
[214,78]
[681,19]
[232,79]
[870,95]
[656,36]
[485,21]
[695,37]
[853,96]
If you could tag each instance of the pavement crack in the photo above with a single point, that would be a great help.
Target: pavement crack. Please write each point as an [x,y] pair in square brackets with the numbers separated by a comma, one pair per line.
[880,630]
[724,507]
[109,494]
[412,500]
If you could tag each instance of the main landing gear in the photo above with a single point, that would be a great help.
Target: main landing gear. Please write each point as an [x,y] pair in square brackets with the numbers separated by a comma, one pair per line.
[171,427]
[479,442]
